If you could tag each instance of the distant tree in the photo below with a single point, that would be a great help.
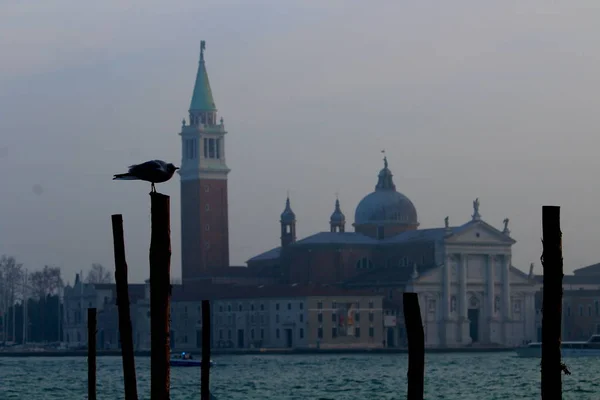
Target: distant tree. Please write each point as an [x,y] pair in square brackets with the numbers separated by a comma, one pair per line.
[98,274]
[44,284]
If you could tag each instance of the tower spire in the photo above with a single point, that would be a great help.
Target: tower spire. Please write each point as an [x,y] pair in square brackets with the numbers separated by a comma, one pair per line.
[337,221]
[202,98]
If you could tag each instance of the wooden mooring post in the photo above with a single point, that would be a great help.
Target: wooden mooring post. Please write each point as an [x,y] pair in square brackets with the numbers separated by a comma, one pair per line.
[125,330]
[205,365]
[160,296]
[416,346]
[91,324]
[552,262]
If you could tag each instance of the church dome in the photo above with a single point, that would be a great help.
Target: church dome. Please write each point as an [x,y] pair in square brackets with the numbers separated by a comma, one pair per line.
[385,205]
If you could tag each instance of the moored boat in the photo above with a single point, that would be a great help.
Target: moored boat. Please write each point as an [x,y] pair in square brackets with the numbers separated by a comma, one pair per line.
[590,348]
[184,359]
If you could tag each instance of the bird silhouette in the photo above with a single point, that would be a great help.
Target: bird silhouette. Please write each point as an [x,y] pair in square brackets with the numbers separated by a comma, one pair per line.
[155,171]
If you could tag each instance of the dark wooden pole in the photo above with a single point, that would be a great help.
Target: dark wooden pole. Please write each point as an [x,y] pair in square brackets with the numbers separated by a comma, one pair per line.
[416,346]
[205,366]
[552,262]
[160,296]
[125,330]
[91,322]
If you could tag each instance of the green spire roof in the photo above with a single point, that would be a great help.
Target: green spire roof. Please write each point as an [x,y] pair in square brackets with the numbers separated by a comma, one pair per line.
[202,99]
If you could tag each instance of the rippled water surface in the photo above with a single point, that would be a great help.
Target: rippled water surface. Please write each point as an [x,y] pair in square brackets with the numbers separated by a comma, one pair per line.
[447,376]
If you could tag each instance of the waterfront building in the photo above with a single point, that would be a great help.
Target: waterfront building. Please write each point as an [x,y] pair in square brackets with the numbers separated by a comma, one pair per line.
[469,290]
[101,296]
[279,316]
[581,304]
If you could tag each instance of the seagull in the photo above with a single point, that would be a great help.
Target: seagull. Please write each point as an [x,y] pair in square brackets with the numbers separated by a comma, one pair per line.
[155,171]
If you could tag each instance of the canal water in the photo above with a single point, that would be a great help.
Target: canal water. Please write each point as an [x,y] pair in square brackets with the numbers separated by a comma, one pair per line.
[447,376]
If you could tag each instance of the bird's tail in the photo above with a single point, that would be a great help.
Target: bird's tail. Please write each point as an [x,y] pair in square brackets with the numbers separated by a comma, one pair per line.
[124,177]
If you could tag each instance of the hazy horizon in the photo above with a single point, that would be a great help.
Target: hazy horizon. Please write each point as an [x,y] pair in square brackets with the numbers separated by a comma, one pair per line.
[469,100]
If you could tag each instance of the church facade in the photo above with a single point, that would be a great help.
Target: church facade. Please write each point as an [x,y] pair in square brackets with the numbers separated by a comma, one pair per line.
[469,291]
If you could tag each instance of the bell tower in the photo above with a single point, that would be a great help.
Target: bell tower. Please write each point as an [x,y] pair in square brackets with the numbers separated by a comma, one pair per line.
[204,219]
[288,225]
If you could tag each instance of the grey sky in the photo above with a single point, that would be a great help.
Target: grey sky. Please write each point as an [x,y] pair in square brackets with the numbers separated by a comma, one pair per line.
[496,101]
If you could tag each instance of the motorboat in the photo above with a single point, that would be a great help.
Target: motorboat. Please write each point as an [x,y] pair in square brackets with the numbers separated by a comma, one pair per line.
[589,348]
[185,359]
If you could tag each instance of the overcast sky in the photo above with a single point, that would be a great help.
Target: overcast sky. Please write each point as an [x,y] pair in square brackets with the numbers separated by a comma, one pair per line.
[469,99]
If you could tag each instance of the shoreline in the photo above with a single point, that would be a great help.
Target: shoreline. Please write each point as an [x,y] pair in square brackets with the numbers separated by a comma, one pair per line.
[215,352]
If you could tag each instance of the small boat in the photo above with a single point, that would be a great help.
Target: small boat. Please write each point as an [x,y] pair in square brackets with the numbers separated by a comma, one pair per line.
[184,359]
[590,348]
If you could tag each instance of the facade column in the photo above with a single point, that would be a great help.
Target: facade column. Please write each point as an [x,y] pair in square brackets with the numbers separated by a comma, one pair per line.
[490,297]
[446,287]
[463,316]
[445,327]
[506,304]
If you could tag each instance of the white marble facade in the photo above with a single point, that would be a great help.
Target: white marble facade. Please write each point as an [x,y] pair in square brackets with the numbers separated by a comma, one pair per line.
[476,296]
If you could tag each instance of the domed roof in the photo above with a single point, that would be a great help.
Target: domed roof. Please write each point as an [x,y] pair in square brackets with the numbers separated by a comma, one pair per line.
[337,216]
[385,205]
[288,216]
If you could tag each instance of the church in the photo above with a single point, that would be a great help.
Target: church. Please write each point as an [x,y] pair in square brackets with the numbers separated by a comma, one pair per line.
[469,291]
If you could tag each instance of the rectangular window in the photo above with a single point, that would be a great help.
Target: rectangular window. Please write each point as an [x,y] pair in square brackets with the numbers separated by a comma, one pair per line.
[334,332]
[217,148]
[371,304]
[320,305]
[205,148]
[277,333]
[252,334]
[380,232]
[277,306]
[357,316]
[320,333]
[301,317]
[289,306]
[371,317]
[301,305]
[320,317]
[334,305]
[277,318]
[371,332]
[334,317]
[220,334]
[301,333]
[262,333]
[229,334]
[357,332]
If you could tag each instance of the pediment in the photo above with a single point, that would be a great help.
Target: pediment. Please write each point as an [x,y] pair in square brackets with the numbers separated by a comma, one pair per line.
[518,276]
[433,275]
[479,232]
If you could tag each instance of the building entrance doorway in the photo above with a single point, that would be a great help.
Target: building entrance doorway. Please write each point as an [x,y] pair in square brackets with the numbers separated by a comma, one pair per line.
[473,315]
[289,338]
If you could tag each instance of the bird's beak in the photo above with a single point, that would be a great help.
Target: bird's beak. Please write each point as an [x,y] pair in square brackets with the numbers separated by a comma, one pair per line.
[176,168]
